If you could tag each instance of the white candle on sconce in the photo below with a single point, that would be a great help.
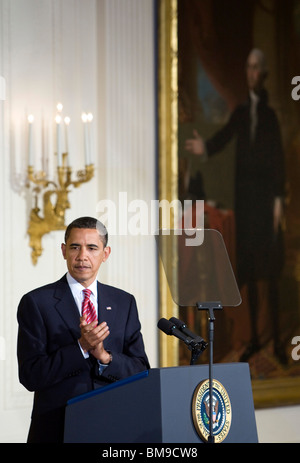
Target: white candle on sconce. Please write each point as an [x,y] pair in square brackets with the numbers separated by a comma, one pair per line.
[58,140]
[90,118]
[84,119]
[67,121]
[30,144]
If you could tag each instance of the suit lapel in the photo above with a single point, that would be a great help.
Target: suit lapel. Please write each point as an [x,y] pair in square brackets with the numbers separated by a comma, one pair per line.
[106,307]
[66,306]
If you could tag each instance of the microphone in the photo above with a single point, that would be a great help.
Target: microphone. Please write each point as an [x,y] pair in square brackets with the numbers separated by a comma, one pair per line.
[170,329]
[184,329]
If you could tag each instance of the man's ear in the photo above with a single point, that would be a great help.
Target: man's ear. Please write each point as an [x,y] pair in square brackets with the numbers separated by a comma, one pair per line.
[107,252]
[63,250]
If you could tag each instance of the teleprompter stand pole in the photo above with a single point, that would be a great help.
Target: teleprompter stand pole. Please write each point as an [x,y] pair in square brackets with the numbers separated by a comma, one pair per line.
[210,307]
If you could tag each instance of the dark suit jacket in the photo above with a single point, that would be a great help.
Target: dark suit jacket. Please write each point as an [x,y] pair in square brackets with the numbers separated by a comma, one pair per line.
[50,360]
[259,178]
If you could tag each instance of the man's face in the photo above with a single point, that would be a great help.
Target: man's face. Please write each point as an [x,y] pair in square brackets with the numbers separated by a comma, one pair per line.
[255,75]
[84,253]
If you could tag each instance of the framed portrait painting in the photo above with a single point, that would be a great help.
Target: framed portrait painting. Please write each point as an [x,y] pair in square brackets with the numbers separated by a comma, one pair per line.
[216,61]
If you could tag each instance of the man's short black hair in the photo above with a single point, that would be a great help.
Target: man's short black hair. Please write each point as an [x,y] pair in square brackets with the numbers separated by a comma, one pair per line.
[90,223]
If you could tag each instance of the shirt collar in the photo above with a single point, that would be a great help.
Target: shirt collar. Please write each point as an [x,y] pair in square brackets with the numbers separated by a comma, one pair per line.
[77,287]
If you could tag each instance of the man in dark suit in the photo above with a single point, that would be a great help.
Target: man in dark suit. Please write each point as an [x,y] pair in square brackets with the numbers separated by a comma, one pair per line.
[62,352]
[259,194]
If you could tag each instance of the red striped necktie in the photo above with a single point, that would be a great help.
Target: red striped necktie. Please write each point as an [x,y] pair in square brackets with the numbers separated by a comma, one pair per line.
[88,308]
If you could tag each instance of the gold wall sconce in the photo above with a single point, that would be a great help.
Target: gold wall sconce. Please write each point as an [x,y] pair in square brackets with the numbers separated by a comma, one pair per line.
[53,193]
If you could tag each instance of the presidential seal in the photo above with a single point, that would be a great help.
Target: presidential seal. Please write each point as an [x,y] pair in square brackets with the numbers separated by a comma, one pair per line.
[222,412]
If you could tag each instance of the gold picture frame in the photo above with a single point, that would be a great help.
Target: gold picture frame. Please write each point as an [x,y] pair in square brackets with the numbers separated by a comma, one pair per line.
[168,149]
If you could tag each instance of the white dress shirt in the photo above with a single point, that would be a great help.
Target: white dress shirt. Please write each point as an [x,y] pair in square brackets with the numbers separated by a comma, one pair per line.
[77,291]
